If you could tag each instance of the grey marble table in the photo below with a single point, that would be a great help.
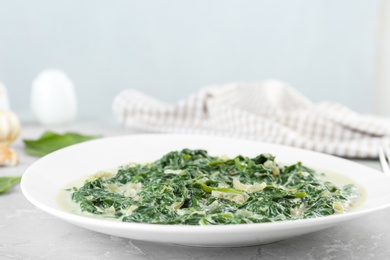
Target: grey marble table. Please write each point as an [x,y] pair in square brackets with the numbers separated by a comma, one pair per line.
[29,233]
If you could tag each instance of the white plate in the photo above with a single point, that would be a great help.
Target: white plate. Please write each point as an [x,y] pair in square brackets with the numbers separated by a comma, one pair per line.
[43,180]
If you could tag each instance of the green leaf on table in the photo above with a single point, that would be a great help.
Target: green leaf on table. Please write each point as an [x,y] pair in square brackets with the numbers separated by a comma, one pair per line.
[7,182]
[51,141]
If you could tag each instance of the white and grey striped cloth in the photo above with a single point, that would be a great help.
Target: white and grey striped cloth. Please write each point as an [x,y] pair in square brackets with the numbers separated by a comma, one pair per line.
[270,111]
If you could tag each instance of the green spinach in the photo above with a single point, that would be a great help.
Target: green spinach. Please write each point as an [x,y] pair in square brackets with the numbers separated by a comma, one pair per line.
[7,182]
[51,141]
[191,187]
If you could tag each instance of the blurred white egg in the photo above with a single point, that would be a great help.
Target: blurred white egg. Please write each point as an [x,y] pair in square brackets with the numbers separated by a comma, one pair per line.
[4,102]
[53,98]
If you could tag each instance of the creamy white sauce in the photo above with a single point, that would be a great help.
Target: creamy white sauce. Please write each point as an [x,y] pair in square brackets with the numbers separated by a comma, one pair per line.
[341,180]
[65,202]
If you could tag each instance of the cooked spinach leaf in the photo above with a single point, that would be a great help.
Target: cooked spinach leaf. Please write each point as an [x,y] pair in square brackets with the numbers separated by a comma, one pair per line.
[193,188]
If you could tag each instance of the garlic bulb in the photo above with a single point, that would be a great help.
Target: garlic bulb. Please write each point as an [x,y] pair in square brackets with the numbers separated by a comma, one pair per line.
[8,157]
[9,127]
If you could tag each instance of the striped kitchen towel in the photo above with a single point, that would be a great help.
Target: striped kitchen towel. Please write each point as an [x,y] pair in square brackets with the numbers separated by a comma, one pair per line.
[270,111]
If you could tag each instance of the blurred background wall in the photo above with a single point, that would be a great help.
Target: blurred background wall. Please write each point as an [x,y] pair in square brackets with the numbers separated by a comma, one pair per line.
[327,49]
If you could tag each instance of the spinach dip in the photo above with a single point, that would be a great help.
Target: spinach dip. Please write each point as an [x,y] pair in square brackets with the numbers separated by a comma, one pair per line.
[190,187]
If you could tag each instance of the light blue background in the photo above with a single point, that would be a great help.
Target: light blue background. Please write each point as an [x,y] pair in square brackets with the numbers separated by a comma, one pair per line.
[168,49]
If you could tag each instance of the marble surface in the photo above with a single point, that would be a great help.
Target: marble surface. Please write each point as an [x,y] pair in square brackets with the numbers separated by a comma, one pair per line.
[29,233]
